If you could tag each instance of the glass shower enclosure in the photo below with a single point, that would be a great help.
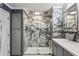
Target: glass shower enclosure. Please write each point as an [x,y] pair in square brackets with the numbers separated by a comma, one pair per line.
[37,30]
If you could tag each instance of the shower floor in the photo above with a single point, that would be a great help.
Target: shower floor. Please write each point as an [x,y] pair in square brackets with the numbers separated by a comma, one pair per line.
[37,51]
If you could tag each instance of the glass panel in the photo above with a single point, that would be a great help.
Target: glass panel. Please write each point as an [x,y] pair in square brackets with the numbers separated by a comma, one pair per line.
[37,31]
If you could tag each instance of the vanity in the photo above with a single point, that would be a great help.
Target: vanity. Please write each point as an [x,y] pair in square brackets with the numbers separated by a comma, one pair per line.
[64,47]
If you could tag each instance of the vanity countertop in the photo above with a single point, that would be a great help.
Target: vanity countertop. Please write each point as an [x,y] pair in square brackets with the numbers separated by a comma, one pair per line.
[71,46]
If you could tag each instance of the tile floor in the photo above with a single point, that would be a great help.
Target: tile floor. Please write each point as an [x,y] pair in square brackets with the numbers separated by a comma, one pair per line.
[37,51]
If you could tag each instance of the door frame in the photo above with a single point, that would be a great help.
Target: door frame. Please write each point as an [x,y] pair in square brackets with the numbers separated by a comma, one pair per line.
[8,9]
[21,12]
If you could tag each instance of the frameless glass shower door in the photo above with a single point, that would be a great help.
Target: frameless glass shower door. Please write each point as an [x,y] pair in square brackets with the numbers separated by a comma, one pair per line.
[37,31]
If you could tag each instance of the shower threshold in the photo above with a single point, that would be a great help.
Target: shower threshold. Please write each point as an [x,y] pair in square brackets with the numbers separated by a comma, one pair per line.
[37,51]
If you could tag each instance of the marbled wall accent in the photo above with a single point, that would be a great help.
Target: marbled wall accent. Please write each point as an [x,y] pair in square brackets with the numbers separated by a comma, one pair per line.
[38,30]
[57,22]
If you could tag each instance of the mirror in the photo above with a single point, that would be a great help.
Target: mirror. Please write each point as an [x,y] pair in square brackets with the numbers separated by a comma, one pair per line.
[71,19]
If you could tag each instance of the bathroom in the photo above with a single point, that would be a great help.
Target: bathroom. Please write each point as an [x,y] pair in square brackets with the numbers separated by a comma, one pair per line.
[39,29]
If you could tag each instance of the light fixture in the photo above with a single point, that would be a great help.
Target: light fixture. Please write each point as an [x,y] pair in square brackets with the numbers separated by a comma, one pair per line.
[37,13]
[74,12]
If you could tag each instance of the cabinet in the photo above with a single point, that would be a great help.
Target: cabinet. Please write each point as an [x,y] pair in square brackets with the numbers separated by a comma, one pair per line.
[57,50]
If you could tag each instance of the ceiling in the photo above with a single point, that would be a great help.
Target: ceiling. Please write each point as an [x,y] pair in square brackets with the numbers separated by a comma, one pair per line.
[34,6]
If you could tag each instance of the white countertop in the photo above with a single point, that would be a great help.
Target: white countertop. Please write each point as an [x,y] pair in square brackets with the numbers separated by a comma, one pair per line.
[71,46]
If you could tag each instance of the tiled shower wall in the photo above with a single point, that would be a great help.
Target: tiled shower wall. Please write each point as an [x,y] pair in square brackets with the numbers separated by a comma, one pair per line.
[34,37]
